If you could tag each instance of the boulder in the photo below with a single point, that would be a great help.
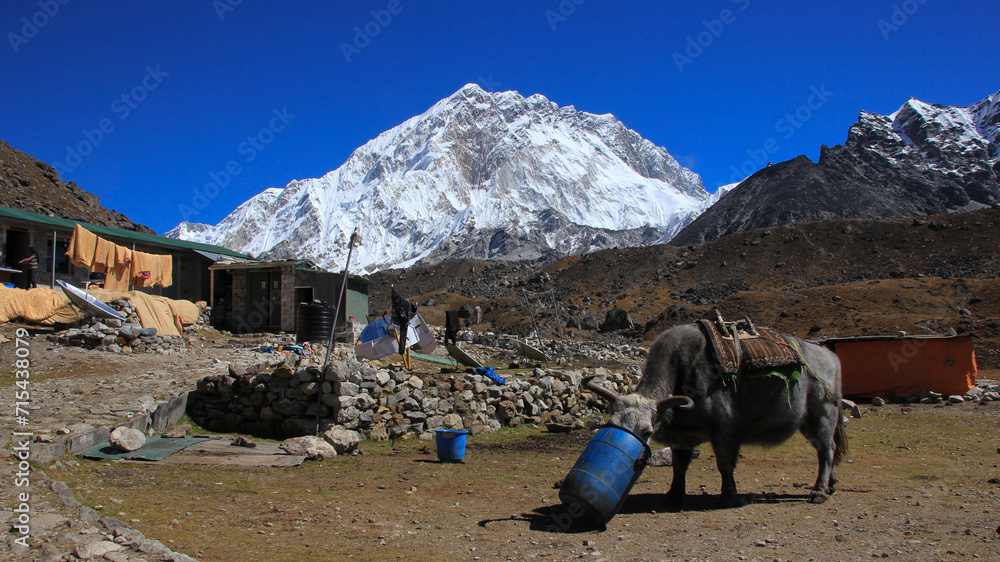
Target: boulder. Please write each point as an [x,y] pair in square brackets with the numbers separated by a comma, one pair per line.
[343,440]
[127,439]
[311,446]
[616,319]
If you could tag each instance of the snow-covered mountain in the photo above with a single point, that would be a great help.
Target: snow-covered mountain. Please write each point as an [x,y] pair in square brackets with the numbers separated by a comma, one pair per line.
[479,175]
[923,159]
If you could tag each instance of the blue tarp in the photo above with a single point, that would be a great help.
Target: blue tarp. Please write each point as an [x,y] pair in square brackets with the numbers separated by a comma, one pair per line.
[374,331]
[488,373]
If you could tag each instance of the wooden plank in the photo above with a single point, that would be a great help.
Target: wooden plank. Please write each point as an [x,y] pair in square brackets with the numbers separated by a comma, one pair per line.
[224,447]
[240,460]
[221,452]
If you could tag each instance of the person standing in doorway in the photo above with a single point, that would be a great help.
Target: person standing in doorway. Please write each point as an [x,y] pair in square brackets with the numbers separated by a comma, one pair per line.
[30,265]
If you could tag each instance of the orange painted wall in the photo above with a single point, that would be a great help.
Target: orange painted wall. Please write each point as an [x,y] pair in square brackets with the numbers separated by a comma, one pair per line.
[906,366]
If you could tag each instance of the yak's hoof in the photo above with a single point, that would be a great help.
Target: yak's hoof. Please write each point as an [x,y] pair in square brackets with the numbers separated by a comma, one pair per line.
[726,502]
[818,497]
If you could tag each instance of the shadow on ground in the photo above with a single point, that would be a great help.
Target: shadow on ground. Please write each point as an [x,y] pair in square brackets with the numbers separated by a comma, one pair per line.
[561,519]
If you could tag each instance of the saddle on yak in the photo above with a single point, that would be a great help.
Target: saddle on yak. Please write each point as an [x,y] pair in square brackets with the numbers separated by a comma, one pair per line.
[743,349]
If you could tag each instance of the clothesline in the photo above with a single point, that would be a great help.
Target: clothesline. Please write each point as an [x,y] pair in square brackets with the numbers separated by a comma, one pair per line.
[123,266]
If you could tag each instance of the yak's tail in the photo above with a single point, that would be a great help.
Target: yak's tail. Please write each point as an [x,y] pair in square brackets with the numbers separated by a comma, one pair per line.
[841,449]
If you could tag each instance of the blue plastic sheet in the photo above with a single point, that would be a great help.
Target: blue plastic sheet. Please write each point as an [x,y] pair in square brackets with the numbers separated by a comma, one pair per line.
[374,330]
[488,373]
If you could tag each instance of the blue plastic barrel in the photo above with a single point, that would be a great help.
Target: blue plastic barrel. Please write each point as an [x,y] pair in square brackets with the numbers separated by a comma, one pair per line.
[604,474]
[451,444]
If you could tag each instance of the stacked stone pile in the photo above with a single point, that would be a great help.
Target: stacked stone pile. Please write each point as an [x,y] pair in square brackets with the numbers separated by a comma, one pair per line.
[381,403]
[985,391]
[113,335]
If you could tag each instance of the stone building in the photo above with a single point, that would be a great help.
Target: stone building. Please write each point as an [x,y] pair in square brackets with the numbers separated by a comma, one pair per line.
[264,296]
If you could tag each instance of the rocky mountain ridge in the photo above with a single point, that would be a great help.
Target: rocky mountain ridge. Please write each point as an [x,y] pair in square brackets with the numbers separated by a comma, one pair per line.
[923,159]
[28,184]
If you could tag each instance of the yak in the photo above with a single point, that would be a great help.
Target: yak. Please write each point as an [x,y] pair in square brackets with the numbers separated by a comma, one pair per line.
[683,400]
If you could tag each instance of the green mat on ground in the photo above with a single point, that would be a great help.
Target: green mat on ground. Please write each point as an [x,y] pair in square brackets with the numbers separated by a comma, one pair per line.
[156,448]
[432,358]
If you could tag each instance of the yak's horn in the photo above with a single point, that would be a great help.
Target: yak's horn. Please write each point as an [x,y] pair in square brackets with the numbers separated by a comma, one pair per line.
[678,401]
[599,390]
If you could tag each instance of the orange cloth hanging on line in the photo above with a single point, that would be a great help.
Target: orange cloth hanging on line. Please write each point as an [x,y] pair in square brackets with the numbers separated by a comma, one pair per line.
[119,277]
[104,254]
[143,265]
[123,256]
[82,246]
[122,265]
[165,277]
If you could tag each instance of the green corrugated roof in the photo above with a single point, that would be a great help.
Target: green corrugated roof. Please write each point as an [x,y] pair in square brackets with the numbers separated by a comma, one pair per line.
[117,232]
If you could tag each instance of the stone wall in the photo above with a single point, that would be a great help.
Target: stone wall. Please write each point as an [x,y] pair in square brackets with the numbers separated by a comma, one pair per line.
[381,403]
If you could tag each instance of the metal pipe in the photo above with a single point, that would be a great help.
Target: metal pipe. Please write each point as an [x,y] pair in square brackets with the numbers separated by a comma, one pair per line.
[52,277]
[333,331]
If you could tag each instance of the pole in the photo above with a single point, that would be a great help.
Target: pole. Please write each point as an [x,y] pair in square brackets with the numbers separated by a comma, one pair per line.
[333,332]
[531,312]
[52,278]
[130,284]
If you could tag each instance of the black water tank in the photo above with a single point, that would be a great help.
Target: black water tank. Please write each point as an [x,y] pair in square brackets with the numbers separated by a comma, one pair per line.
[314,322]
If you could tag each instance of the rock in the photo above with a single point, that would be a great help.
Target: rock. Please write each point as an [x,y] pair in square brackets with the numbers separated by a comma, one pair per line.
[177,432]
[878,402]
[343,440]
[311,446]
[416,382]
[855,410]
[616,319]
[661,457]
[955,399]
[96,550]
[127,439]
[240,441]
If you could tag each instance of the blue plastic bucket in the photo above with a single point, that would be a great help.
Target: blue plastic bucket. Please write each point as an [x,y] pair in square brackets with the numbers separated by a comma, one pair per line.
[451,444]
[604,474]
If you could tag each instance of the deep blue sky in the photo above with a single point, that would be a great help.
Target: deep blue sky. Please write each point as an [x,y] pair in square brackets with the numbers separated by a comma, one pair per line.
[217,80]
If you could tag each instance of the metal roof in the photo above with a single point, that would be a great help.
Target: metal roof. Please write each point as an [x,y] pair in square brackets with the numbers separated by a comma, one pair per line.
[300,265]
[107,231]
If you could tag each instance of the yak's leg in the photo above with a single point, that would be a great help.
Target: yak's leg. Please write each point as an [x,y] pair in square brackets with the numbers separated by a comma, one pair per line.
[681,459]
[727,450]
[820,434]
